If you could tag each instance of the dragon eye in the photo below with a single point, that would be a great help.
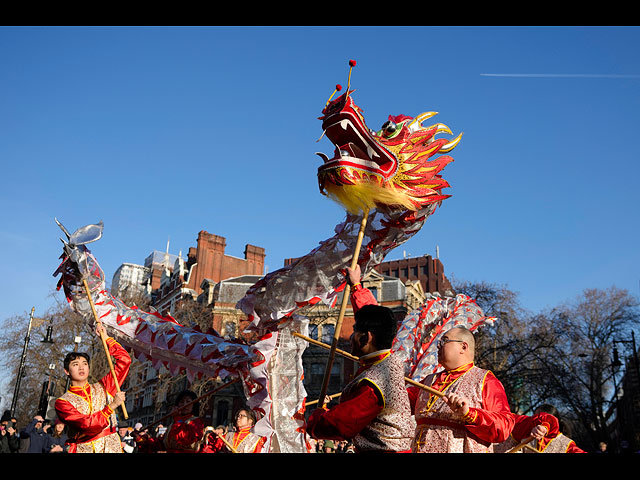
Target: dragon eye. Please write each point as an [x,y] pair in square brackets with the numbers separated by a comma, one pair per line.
[389,127]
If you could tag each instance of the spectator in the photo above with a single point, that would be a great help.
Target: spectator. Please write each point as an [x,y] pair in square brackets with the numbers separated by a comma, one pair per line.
[55,442]
[9,439]
[127,440]
[329,447]
[341,447]
[36,434]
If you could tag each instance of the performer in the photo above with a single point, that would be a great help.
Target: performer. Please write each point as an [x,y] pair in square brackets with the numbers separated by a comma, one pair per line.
[87,409]
[555,441]
[186,432]
[474,413]
[243,440]
[541,426]
[374,410]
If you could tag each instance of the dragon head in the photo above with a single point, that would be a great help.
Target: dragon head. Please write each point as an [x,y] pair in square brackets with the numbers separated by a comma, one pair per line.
[392,166]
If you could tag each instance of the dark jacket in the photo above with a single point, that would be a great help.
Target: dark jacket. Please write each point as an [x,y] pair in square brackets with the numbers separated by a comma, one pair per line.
[9,443]
[37,437]
[52,440]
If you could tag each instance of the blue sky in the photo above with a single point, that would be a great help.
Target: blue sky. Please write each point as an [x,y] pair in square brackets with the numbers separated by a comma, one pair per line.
[165,131]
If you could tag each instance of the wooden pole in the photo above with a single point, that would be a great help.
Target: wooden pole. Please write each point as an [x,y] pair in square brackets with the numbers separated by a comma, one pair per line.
[521,445]
[335,395]
[104,344]
[343,307]
[352,357]
[229,446]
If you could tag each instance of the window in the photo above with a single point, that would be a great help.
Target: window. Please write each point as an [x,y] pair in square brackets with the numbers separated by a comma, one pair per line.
[148,397]
[313,331]
[374,292]
[222,413]
[328,330]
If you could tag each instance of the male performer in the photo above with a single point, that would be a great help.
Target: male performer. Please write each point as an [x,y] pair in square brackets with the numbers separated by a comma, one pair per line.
[243,440]
[374,410]
[473,414]
[88,409]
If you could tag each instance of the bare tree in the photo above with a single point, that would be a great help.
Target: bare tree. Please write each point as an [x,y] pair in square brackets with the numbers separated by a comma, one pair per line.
[509,348]
[578,368]
[65,327]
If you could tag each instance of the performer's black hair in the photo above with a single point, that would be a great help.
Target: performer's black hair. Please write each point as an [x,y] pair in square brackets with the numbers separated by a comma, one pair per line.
[71,356]
[548,408]
[378,320]
[195,408]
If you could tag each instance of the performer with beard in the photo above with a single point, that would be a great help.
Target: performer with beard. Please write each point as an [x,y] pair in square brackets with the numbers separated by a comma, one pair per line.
[374,410]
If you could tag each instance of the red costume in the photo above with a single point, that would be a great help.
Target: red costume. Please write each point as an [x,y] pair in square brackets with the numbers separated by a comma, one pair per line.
[213,444]
[553,441]
[373,409]
[245,441]
[183,436]
[85,409]
[488,421]
[559,444]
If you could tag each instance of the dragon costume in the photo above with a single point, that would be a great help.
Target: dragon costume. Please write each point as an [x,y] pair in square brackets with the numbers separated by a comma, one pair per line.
[393,175]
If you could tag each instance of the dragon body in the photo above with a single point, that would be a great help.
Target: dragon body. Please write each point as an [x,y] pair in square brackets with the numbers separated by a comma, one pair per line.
[393,177]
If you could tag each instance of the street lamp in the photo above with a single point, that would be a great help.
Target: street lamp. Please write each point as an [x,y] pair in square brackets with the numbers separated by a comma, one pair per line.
[47,339]
[617,364]
[21,368]
[616,359]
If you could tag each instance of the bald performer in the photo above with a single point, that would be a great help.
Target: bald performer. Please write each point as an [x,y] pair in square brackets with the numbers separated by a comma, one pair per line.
[473,414]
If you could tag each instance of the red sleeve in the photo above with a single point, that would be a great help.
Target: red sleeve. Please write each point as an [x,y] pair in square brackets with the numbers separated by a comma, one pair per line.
[524,424]
[573,448]
[187,433]
[361,297]
[348,418]
[494,421]
[89,425]
[121,366]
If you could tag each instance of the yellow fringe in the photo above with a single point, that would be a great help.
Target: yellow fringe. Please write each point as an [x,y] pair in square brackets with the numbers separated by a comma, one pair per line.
[365,196]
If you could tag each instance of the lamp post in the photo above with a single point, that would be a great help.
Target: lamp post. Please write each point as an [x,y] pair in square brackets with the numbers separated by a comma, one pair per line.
[27,338]
[22,361]
[635,353]
[617,363]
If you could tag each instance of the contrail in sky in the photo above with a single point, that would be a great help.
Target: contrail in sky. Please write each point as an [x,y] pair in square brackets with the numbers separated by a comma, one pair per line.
[558,75]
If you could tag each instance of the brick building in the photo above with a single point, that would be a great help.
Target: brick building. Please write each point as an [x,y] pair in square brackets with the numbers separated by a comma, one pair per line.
[205,261]
[172,280]
[425,269]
